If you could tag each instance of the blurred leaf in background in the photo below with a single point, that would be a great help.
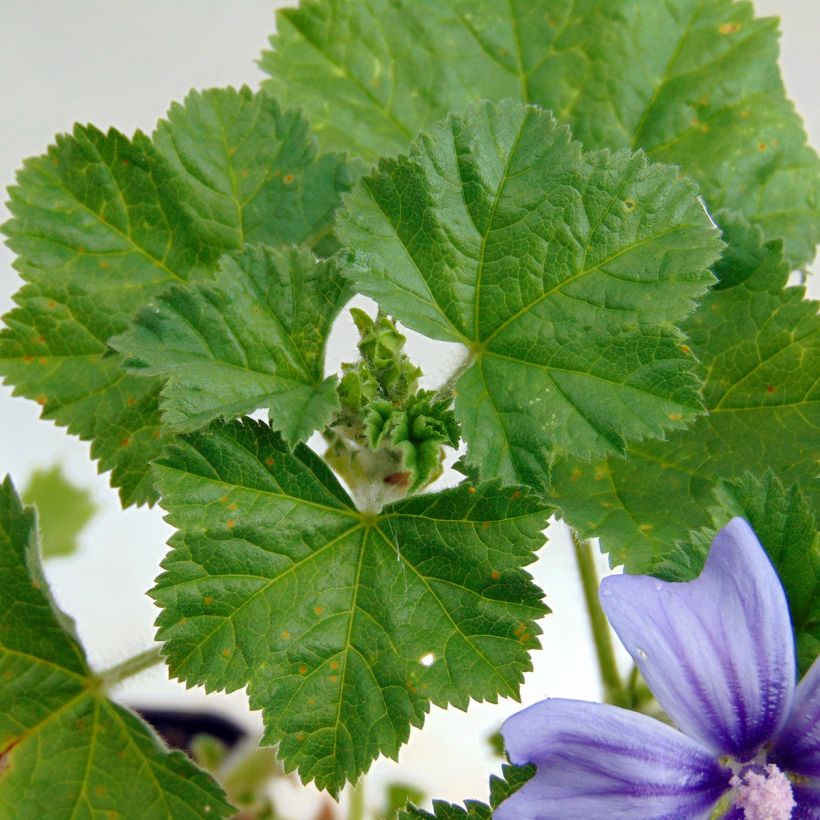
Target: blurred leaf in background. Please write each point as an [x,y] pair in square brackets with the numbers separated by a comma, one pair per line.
[64,510]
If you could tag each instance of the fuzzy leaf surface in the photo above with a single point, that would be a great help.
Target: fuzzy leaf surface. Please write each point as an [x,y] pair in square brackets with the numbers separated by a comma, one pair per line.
[694,83]
[102,224]
[66,750]
[330,616]
[758,342]
[252,337]
[563,272]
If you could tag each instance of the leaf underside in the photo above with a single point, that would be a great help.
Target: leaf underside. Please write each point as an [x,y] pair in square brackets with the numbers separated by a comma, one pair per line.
[564,272]
[758,342]
[694,83]
[65,749]
[344,626]
[103,224]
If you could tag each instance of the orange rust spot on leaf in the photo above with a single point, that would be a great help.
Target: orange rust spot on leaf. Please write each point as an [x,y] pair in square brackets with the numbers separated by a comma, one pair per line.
[41,340]
[516,495]
[269,461]
[208,600]
[41,399]
[300,735]
[131,401]
[287,179]
[485,525]
[233,506]
[51,304]
[495,575]
[334,664]
[43,360]
[704,100]
[303,670]
[674,416]
[600,472]
[285,635]
[156,434]
[519,629]
[226,653]
[729,28]
[231,523]
[311,701]
[126,442]
[28,359]
[575,474]
[685,349]
[744,115]
[770,388]
[761,146]
[318,610]
[100,790]
[333,678]
[471,490]
[223,499]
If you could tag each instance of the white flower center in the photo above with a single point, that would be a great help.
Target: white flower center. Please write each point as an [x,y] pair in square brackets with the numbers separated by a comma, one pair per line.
[764,793]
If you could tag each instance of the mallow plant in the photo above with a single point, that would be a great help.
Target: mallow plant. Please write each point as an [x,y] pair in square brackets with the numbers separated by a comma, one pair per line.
[602,204]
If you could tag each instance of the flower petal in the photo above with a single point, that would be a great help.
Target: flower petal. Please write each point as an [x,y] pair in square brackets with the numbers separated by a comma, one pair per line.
[595,760]
[807,798]
[797,746]
[717,652]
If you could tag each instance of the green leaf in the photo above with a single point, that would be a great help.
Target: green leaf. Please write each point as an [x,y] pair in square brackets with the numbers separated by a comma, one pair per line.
[563,272]
[101,225]
[695,83]
[66,750]
[331,616]
[512,779]
[759,346]
[785,524]
[63,510]
[252,337]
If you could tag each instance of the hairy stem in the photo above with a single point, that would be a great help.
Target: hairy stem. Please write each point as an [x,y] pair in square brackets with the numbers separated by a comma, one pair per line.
[130,666]
[601,634]
[448,388]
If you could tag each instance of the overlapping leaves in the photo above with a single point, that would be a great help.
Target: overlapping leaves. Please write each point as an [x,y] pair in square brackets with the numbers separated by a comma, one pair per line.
[693,82]
[66,750]
[253,336]
[343,625]
[102,224]
[563,273]
[758,342]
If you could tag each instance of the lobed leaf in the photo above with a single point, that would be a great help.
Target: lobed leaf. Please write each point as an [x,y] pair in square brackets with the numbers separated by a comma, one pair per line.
[758,342]
[252,337]
[66,750]
[563,272]
[694,83]
[103,224]
[343,625]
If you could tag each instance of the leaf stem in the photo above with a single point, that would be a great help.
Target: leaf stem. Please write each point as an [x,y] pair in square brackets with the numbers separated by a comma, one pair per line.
[356,808]
[131,666]
[601,634]
[448,388]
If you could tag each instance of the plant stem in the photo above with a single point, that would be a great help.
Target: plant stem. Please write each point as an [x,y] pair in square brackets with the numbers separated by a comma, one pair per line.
[356,808]
[448,388]
[130,666]
[601,634]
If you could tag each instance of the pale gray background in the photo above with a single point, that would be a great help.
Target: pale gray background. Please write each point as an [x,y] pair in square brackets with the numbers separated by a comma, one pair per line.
[122,63]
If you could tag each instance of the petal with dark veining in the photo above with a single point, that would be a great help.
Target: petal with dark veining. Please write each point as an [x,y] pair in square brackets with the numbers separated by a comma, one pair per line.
[595,760]
[717,652]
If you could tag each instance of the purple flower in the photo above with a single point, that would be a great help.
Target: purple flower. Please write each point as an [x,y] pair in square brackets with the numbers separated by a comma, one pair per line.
[718,654]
